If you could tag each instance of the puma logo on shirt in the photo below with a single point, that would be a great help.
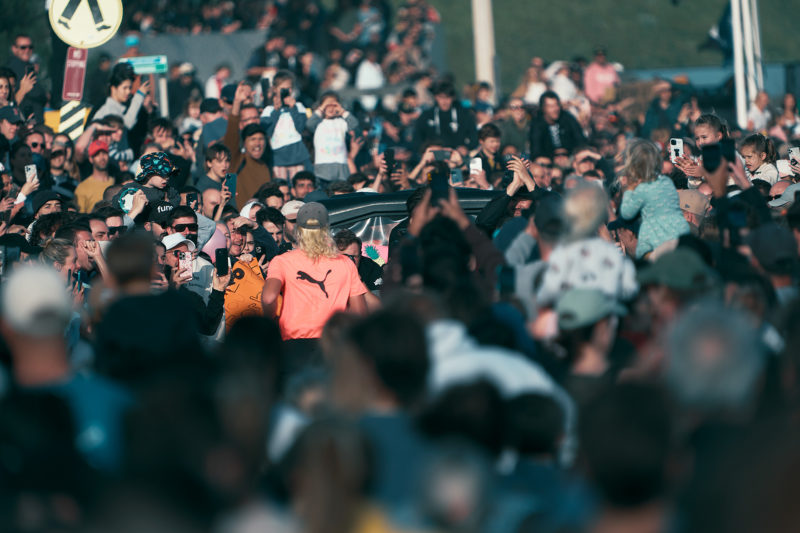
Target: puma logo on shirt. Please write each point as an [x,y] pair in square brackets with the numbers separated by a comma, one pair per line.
[305,277]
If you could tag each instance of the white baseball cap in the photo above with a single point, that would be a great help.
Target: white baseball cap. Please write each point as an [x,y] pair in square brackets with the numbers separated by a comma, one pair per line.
[291,208]
[176,239]
[35,301]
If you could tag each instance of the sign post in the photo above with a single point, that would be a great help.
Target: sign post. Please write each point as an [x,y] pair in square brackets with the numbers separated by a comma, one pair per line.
[153,65]
[82,24]
[74,74]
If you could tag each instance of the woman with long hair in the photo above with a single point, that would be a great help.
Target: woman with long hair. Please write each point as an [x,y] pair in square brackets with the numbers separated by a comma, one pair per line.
[787,124]
[314,281]
[531,88]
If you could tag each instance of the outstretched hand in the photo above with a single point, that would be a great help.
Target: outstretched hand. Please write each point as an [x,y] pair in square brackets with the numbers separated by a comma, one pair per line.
[452,210]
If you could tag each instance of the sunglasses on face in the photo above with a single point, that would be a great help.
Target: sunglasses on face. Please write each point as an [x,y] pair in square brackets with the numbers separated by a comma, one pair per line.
[36,145]
[183,227]
[113,230]
[25,47]
[352,257]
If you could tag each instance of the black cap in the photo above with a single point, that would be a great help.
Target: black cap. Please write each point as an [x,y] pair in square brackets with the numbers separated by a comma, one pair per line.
[11,114]
[41,198]
[159,212]
[228,93]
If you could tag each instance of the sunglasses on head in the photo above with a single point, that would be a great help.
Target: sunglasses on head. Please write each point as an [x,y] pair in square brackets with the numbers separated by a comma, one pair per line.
[183,227]
[113,230]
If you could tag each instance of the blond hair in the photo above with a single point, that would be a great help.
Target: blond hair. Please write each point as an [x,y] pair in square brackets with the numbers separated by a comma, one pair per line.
[642,161]
[316,242]
[56,251]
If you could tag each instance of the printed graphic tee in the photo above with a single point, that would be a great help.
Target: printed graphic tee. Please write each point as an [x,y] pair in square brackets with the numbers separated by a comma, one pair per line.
[312,291]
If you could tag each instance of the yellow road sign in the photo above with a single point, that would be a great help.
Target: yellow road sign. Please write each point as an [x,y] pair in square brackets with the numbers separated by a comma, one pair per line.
[85,23]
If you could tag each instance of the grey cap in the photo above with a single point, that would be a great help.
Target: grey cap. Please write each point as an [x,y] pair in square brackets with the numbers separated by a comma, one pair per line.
[680,269]
[312,215]
[787,197]
[578,308]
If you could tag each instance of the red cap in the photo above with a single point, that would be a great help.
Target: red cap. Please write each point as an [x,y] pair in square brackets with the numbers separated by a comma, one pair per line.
[97,146]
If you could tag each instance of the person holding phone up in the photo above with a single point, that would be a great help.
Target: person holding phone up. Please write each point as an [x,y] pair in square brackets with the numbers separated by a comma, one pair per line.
[284,122]
[179,260]
[34,95]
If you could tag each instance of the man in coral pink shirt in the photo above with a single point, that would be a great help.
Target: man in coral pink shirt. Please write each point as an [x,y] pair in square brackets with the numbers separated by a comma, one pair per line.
[599,77]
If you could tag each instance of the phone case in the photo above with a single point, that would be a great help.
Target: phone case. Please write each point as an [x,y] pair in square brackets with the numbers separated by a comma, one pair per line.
[475,165]
[185,263]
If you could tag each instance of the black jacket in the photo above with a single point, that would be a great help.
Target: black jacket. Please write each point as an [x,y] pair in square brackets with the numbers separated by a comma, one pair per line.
[455,127]
[569,132]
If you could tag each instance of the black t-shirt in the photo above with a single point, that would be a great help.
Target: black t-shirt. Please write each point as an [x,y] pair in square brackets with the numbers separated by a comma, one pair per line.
[370,273]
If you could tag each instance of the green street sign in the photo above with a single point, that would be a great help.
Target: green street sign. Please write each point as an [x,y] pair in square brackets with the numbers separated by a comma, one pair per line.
[147,64]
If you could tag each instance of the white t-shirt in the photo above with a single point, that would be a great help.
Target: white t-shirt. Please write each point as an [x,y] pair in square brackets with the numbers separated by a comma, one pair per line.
[329,141]
[760,118]
[369,76]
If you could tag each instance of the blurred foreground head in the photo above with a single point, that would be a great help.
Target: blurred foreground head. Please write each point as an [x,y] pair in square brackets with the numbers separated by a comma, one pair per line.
[715,360]
[585,210]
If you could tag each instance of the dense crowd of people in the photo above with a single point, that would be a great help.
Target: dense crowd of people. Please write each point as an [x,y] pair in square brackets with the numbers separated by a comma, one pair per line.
[190,342]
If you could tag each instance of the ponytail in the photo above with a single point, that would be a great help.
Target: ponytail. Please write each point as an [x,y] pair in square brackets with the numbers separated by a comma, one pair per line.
[714,122]
[762,144]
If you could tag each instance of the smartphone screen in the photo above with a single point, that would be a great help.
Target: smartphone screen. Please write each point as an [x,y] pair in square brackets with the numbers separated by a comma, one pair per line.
[388,157]
[475,165]
[441,155]
[456,176]
[712,157]
[439,187]
[221,261]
